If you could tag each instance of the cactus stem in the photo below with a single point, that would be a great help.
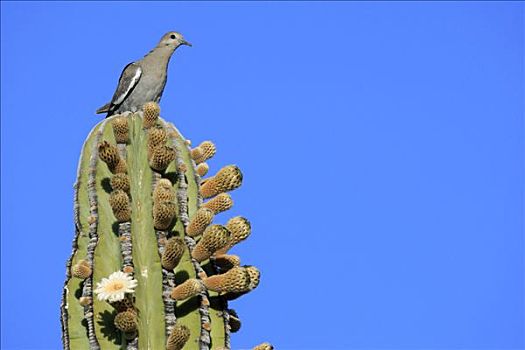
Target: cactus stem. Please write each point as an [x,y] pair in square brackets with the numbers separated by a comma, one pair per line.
[133,207]
[87,290]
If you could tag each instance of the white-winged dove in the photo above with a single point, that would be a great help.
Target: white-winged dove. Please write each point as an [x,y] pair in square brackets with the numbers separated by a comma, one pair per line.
[144,80]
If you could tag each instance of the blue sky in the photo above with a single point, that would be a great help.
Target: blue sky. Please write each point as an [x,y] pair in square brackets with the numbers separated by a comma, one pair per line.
[381,143]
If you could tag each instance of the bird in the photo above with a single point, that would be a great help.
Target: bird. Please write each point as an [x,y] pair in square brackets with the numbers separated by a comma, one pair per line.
[144,80]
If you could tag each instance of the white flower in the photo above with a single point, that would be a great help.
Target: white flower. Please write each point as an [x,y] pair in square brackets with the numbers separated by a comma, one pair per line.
[115,286]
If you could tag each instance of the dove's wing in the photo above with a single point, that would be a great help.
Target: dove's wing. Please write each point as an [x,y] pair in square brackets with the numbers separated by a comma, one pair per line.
[128,81]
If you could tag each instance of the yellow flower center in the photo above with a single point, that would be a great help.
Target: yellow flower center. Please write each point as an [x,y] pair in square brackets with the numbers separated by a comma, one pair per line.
[115,287]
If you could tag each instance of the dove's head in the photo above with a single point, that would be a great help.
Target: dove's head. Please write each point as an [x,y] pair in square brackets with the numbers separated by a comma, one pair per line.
[172,40]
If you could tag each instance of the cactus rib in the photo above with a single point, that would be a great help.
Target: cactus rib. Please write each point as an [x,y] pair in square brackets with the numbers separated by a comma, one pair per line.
[219,332]
[182,196]
[76,246]
[168,277]
[87,290]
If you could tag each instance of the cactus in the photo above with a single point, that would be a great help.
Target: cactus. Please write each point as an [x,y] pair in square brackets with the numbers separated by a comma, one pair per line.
[149,269]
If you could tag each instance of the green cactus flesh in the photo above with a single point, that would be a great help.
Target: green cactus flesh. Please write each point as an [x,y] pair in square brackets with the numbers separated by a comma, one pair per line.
[136,247]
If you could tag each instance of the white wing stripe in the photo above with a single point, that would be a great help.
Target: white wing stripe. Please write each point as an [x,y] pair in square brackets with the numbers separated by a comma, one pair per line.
[131,85]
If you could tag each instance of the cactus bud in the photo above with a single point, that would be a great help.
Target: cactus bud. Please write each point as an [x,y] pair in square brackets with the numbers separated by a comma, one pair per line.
[213,238]
[126,321]
[119,202]
[178,337]
[202,169]
[164,184]
[255,276]
[263,346]
[227,179]
[227,262]
[199,222]
[203,152]
[172,253]
[182,168]
[163,214]
[161,157]
[235,280]
[81,270]
[120,168]
[196,153]
[151,114]
[85,301]
[120,181]
[234,322]
[122,305]
[239,228]
[156,137]
[163,192]
[187,289]
[121,129]
[219,203]
[109,154]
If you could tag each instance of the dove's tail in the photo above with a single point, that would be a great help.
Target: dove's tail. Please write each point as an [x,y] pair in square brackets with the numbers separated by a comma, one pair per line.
[104,108]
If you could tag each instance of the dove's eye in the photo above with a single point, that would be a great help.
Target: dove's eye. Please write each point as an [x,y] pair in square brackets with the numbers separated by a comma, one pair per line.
[173,36]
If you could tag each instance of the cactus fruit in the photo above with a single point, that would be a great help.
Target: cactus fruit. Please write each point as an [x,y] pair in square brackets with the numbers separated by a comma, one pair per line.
[151,114]
[219,203]
[120,182]
[163,214]
[226,262]
[236,280]
[120,129]
[203,152]
[121,167]
[157,136]
[146,271]
[239,228]
[161,157]
[202,169]
[178,337]
[227,179]
[163,192]
[108,154]
[173,252]
[187,289]
[214,238]
[81,270]
[255,276]
[126,321]
[263,346]
[123,305]
[119,202]
[200,221]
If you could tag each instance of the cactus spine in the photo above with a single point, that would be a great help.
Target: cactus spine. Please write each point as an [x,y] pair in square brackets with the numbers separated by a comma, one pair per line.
[148,268]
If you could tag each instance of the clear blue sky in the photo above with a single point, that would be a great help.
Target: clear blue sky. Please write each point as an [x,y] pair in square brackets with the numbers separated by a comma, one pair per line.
[382,147]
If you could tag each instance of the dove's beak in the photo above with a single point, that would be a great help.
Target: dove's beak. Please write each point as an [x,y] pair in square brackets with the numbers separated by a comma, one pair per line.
[184,42]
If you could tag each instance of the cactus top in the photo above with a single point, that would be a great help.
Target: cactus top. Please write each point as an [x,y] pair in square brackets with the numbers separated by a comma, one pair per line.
[144,80]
